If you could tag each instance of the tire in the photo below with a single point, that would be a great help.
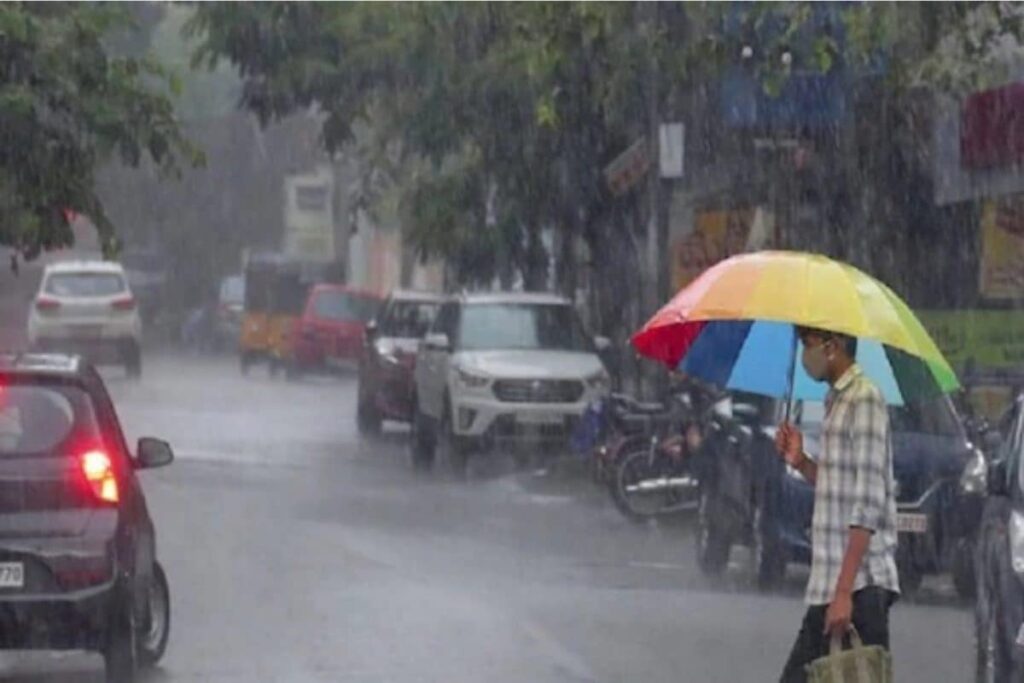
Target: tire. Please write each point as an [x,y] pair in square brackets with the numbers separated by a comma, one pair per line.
[153,642]
[120,651]
[453,450]
[994,664]
[624,465]
[910,575]
[368,418]
[132,359]
[964,578]
[713,546]
[766,551]
[421,442]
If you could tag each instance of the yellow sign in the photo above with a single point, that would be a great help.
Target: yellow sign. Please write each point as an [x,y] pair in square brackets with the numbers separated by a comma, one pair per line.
[716,235]
[1002,248]
[989,340]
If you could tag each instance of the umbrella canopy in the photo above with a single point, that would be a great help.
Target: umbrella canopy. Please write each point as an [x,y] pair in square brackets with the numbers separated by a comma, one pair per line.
[734,326]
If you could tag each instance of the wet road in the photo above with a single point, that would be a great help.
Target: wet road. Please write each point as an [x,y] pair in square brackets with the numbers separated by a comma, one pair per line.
[298,552]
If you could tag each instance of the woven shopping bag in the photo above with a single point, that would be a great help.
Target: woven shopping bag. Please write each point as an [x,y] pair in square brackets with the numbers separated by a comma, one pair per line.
[859,664]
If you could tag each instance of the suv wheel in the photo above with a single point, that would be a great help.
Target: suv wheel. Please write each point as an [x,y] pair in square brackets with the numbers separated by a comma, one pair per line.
[368,418]
[909,574]
[453,449]
[963,569]
[120,649]
[421,441]
[153,642]
[712,545]
[993,663]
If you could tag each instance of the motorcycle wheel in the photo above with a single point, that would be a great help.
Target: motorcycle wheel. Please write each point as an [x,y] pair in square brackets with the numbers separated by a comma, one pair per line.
[633,466]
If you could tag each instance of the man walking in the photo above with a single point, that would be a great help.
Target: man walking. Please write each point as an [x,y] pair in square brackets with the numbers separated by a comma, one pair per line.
[853,534]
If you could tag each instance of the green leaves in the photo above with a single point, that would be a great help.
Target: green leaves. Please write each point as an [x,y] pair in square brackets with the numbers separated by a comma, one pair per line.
[65,105]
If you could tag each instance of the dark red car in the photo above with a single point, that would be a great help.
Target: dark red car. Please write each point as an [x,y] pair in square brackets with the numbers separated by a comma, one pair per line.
[389,358]
[330,332]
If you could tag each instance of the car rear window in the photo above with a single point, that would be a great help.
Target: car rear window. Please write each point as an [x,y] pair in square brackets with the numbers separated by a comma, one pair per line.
[41,420]
[408,319]
[84,284]
[344,306]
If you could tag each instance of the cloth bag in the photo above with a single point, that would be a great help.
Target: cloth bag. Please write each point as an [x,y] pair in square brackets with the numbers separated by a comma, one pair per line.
[858,664]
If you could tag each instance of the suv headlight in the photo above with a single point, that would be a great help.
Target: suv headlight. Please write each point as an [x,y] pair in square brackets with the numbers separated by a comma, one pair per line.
[974,480]
[599,382]
[471,380]
[1017,542]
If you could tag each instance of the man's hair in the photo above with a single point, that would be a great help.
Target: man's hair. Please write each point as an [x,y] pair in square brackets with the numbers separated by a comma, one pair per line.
[845,341]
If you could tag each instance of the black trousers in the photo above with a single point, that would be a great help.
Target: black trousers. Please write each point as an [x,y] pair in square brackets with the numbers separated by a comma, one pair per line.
[870,617]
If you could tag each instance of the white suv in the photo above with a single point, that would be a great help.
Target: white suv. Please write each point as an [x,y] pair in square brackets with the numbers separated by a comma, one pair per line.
[87,307]
[502,370]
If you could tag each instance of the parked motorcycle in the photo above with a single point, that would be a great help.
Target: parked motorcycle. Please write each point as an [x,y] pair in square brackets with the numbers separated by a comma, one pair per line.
[639,451]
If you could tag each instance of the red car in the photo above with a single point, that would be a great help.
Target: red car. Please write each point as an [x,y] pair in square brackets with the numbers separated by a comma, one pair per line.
[389,357]
[330,332]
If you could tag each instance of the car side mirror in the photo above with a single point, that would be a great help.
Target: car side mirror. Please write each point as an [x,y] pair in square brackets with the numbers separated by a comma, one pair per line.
[997,478]
[152,453]
[437,341]
[602,344]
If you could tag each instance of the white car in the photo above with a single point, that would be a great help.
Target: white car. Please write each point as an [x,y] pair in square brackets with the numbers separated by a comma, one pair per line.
[511,371]
[87,307]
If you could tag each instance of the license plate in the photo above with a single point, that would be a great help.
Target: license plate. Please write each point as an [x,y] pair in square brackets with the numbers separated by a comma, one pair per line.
[88,330]
[12,575]
[911,523]
[539,419]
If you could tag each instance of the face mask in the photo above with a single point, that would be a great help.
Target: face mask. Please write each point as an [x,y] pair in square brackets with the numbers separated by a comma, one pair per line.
[815,362]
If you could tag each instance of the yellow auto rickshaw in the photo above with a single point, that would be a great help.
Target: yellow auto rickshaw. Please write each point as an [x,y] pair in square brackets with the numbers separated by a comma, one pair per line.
[275,294]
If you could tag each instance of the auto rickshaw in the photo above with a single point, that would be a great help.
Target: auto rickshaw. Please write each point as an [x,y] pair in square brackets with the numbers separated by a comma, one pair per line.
[275,292]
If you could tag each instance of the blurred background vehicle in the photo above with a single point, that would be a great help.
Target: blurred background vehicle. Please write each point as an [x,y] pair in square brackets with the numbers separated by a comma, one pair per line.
[230,306]
[330,332]
[999,604]
[88,307]
[147,272]
[388,360]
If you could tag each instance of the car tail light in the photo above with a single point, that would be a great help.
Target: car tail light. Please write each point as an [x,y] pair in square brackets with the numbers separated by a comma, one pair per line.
[99,474]
[47,304]
[74,579]
[125,303]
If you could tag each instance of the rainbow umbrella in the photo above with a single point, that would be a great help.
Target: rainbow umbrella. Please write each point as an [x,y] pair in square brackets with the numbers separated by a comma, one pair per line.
[734,326]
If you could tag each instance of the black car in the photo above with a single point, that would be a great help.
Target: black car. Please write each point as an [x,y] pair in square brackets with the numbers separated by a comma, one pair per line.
[78,567]
[999,606]
[388,358]
[750,497]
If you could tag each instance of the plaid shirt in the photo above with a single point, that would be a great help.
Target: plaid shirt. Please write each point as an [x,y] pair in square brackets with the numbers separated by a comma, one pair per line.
[854,488]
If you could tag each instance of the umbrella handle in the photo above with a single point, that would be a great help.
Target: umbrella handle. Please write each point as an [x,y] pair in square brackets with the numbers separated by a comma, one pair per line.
[791,379]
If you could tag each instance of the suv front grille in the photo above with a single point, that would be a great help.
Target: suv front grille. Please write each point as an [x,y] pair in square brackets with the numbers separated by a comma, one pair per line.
[538,390]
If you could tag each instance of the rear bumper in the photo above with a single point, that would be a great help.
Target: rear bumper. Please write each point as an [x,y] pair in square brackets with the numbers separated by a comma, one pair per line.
[111,349]
[69,621]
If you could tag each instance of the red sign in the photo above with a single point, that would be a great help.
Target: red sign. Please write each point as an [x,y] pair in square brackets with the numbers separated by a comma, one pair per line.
[992,128]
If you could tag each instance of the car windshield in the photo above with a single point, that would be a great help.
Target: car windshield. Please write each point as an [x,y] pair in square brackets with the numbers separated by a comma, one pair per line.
[521,326]
[232,290]
[408,319]
[85,284]
[38,420]
[344,306]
